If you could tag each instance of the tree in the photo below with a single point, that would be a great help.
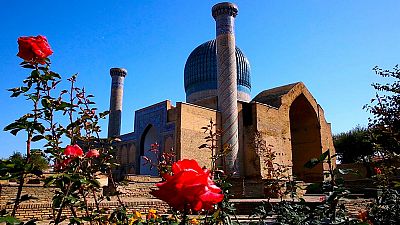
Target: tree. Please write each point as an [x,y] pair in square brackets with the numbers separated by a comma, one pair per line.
[37,159]
[385,110]
[353,145]
[17,158]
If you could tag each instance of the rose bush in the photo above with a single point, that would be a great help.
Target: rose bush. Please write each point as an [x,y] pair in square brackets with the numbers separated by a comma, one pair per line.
[189,187]
[76,174]
[34,49]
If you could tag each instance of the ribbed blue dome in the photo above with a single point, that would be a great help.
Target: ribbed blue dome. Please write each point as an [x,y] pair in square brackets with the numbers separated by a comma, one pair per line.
[201,70]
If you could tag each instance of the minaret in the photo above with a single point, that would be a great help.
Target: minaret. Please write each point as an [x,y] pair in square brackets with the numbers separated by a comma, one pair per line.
[117,91]
[224,15]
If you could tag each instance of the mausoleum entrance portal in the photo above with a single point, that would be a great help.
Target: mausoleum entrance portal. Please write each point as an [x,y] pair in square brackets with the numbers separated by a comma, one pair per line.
[148,138]
[305,139]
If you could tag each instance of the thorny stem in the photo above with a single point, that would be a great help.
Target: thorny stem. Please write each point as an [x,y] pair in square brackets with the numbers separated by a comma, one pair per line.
[114,186]
[334,203]
[212,147]
[88,135]
[28,150]
[86,205]
[73,211]
[70,112]
[185,215]
[59,212]
[51,122]
[96,202]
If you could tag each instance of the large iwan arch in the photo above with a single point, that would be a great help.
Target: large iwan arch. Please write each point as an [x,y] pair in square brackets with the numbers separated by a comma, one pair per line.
[305,139]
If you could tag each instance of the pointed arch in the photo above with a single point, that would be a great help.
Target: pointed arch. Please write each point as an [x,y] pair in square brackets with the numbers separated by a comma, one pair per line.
[149,137]
[305,139]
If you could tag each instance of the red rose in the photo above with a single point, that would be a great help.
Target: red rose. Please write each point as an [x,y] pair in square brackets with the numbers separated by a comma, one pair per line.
[73,151]
[377,170]
[92,154]
[63,164]
[189,186]
[34,49]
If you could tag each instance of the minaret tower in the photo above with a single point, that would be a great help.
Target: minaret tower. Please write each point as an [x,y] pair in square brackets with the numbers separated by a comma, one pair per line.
[117,91]
[224,15]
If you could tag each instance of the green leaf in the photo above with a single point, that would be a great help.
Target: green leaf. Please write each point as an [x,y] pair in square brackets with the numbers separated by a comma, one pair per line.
[35,74]
[63,105]
[9,220]
[315,161]
[56,75]
[15,131]
[27,197]
[333,196]
[16,94]
[24,89]
[203,146]
[311,163]
[33,97]
[345,171]
[28,66]
[323,156]
[11,126]
[31,222]
[46,103]
[95,183]
[37,137]
[39,127]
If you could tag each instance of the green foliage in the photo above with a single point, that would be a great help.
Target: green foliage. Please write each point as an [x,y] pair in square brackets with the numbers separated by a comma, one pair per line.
[37,158]
[16,166]
[353,145]
[17,158]
[385,110]
[329,211]
[385,128]
[386,210]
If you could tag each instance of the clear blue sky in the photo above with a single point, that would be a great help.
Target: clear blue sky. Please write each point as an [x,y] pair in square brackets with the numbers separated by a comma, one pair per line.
[331,46]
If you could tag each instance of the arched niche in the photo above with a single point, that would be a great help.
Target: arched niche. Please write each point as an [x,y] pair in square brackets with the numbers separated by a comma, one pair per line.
[305,139]
[149,137]
[124,153]
[169,144]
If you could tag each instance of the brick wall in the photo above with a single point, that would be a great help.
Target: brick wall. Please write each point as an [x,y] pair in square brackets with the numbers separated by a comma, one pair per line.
[138,187]
[135,196]
[189,135]
[44,211]
[41,194]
